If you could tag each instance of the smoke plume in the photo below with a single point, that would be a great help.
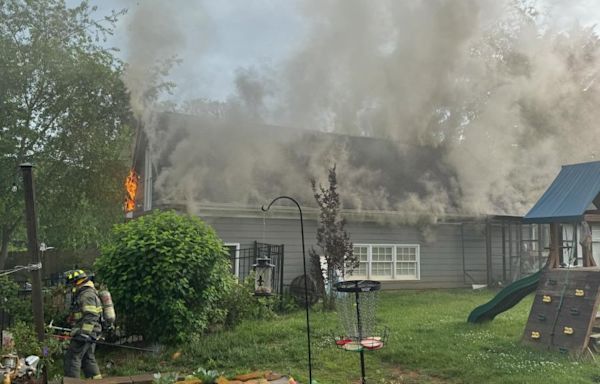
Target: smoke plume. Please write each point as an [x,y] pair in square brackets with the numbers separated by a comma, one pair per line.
[427,107]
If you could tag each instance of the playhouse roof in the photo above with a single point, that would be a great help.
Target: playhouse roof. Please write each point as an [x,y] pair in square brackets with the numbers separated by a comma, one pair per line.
[575,190]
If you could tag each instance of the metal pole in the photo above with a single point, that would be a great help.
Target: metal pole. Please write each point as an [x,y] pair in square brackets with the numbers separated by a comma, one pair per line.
[305,278]
[33,247]
[503,252]
[360,337]
[488,251]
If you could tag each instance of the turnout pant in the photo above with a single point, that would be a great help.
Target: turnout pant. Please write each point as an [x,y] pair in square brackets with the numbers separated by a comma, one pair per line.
[80,355]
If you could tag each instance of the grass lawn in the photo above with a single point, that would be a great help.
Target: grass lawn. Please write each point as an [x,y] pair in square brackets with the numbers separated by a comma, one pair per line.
[430,342]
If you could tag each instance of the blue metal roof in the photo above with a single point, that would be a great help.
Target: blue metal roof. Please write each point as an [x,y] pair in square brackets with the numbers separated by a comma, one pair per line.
[569,195]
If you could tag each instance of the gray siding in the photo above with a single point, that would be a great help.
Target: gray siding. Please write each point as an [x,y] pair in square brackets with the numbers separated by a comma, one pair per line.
[474,245]
[442,252]
[272,231]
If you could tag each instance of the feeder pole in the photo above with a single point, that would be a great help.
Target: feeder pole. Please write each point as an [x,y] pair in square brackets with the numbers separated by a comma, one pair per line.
[305,278]
[33,247]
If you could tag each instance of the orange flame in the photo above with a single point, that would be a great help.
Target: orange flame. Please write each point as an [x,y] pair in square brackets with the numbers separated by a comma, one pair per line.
[131,185]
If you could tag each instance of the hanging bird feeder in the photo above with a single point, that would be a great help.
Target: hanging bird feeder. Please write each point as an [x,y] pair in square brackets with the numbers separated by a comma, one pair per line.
[263,277]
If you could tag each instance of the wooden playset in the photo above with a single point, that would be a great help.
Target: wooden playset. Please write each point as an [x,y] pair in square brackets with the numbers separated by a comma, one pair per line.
[564,313]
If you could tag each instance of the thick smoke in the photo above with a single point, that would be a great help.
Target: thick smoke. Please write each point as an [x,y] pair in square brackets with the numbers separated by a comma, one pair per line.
[481,101]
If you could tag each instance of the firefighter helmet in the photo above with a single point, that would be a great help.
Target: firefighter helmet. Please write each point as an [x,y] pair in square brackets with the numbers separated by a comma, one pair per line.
[76,277]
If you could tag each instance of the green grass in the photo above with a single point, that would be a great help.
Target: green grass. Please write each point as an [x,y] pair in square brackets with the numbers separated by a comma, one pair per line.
[429,338]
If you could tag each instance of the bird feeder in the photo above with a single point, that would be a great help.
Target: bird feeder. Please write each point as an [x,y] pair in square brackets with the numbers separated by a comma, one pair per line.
[263,277]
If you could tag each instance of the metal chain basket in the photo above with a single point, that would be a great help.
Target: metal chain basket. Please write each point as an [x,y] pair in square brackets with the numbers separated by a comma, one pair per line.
[356,304]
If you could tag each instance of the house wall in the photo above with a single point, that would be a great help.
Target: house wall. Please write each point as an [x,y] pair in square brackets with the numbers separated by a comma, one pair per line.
[442,252]
[272,231]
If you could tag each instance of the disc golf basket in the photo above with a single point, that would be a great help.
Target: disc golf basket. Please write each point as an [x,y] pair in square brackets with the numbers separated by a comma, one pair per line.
[356,304]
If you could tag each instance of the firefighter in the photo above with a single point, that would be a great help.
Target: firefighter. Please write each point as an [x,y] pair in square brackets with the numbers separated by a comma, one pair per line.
[86,311]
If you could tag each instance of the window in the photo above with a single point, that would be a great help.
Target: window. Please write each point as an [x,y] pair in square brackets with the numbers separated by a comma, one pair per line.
[234,256]
[387,262]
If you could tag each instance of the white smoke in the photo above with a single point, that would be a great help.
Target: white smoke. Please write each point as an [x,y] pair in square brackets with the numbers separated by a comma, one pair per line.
[483,100]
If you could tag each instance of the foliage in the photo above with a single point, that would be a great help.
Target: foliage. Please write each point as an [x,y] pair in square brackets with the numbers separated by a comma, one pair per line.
[206,376]
[332,238]
[64,109]
[241,304]
[18,308]
[429,341]
[167,378]
[55,307]
[286,303]
[168,274]
[26,343]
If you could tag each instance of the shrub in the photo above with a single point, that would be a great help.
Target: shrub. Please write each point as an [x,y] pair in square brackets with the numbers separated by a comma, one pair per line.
[241,304]
[26,343]
[17,308]
[167,274]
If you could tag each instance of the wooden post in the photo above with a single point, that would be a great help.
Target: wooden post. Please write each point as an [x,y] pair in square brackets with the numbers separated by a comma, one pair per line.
[33,247]
[553,258]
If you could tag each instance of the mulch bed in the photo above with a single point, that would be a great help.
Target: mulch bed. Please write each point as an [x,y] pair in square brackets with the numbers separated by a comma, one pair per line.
[259,377]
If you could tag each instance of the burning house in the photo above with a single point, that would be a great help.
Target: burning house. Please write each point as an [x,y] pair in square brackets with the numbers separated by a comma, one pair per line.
[224,176]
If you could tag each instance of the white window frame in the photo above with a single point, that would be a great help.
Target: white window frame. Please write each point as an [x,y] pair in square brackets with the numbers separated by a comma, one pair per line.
[394,276]
[237,257]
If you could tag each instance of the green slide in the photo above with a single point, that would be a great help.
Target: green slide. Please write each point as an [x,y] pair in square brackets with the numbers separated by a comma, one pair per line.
[507,298]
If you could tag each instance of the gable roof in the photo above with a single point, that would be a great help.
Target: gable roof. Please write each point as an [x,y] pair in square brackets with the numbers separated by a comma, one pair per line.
[211,161]
[576,187]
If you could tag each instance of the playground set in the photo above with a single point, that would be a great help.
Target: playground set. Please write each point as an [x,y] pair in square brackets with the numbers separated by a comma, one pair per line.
[564,314]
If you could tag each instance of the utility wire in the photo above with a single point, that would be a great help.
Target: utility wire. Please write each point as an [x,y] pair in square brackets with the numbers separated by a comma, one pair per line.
[30,267]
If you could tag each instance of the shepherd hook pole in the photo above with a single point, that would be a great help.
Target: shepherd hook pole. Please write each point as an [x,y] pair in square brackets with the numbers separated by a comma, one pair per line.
[305,278]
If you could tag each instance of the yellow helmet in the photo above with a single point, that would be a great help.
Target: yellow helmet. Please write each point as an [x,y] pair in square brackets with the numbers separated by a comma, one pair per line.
[76,277]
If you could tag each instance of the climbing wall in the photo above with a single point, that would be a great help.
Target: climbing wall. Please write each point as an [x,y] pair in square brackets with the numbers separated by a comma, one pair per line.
[564,310]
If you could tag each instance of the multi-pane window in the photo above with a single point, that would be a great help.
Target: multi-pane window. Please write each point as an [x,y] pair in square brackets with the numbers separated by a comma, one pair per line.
[406,261]
[361,253]
[387,261]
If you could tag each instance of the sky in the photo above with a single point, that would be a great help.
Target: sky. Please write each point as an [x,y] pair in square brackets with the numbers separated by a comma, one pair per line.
[253,34]
[242,34]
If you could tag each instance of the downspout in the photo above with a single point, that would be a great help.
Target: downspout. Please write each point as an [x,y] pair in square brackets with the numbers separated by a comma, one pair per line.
[488,250]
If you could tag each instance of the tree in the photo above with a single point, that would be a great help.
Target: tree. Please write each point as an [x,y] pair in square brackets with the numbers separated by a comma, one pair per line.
[168,274]
[332,238]
[63,108]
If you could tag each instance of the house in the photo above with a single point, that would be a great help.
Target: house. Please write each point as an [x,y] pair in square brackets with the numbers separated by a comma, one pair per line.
[224,174]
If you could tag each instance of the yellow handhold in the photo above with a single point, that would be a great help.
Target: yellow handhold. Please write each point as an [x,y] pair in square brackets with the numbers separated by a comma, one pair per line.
[568,331]
[547,299]
[579,292]
[535,335]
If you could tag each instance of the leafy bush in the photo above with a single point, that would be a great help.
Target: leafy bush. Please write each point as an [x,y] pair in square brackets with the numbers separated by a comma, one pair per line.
[241,304]
[56,309]
[168,274]
[205,376]
[287,303]
[26,343]
[18,308]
